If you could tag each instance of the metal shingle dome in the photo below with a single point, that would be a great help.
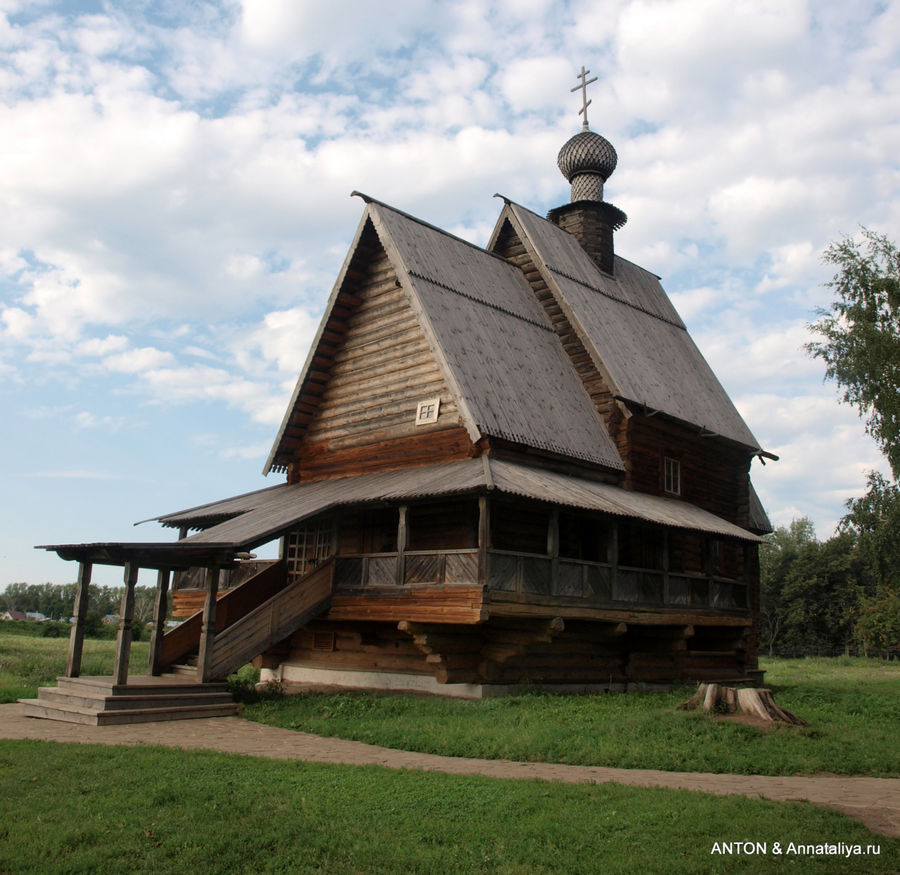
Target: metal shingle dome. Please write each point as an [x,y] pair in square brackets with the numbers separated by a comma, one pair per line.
[587,152]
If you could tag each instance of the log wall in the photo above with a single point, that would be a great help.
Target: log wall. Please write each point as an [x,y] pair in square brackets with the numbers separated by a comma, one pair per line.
[373,365]
[515,650]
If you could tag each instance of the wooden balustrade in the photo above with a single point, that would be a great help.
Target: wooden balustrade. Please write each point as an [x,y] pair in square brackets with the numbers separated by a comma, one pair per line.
[184,639]
[594,583]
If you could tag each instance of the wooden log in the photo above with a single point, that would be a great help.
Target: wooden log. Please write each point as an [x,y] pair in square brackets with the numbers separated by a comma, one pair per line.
[79,611]
[740,700]
[126,620]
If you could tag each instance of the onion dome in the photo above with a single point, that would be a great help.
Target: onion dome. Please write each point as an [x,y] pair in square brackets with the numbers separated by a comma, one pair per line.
[587,160]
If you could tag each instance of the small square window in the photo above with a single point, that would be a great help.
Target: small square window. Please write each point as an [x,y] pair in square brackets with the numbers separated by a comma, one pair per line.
[672,476]
[427,411]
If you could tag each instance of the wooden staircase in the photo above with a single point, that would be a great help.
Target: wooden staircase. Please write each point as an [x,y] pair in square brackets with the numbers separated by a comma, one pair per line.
[249,619]
[97,701]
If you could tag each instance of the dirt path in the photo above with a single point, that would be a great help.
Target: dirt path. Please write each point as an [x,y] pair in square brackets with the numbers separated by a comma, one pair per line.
[873,801]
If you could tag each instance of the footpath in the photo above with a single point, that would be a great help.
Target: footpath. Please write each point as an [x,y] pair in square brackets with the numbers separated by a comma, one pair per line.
[873,801]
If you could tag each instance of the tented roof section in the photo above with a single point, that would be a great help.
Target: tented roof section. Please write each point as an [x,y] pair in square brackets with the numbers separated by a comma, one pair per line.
[277,510]
[632,330]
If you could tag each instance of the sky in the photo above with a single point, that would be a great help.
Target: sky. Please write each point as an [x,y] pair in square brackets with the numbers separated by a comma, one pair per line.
[175,205]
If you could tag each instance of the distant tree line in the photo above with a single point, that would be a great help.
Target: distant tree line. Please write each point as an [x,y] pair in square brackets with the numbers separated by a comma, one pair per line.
[55,601]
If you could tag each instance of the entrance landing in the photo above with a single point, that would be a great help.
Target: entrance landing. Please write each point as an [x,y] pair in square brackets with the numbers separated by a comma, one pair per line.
[99,701]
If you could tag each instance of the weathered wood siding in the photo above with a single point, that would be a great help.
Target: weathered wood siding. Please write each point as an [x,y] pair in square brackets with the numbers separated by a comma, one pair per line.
[373,365]
[714,476]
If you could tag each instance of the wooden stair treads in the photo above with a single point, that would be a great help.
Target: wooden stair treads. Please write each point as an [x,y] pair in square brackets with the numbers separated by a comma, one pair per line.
[284,613]
[98,701]
[184,639]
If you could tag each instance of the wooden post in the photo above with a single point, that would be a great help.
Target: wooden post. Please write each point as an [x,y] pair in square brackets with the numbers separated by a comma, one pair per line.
[484,539]
[665,566]
[553,549]
[613,551]
[123,639]
[159,620]
[79,611]
[208,629]
[402,536]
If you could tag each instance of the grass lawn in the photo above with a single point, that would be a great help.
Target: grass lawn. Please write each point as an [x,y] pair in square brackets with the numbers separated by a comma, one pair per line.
[852,706]
[85,808]
[28,662]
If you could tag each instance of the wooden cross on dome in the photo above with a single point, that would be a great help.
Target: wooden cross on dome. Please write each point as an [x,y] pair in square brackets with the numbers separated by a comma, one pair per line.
[584,101]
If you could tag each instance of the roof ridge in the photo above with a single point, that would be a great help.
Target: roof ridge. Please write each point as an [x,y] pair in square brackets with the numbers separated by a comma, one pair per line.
[371,200]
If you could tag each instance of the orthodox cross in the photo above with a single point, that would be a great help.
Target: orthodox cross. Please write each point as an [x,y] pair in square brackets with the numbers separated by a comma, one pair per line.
[584,101]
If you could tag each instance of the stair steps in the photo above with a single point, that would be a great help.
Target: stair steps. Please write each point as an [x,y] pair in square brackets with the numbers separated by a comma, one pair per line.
[97,701]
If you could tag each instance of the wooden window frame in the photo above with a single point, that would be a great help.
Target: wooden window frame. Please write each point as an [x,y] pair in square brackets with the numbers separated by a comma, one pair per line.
[427,412]
[671,476]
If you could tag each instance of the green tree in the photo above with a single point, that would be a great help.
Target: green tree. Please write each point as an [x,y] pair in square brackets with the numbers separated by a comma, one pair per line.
[809,590]
[776,557]
[874,520]
[861,334]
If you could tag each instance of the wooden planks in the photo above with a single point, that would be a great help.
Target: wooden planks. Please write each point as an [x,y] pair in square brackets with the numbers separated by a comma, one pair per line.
[272,621]
[321,462]
[439,604]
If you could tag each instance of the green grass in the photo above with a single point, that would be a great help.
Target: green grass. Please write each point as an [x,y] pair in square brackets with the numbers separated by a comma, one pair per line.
[85,808]
[27,663]
[852,706]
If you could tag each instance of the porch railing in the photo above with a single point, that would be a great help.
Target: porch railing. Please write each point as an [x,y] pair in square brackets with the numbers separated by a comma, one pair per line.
[593,583]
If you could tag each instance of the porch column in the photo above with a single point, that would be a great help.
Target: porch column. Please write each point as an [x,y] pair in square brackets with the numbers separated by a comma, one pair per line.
[79,611]
[123,639]
[665,566]
[402,538]
[208,629]
[613,556]
[159,620]
[484,540]
[553,548]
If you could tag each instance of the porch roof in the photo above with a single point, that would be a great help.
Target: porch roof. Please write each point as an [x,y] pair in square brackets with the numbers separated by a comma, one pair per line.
[271,512]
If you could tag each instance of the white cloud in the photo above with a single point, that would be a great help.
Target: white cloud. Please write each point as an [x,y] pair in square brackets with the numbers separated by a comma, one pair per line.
[174,192]
[138,360]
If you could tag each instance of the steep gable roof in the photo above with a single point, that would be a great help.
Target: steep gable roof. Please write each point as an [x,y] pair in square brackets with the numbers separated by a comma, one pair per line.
[631,329]
[504,366]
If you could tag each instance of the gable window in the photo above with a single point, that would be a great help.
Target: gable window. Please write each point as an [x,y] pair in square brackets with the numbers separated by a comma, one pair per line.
[427,411]
[672,473]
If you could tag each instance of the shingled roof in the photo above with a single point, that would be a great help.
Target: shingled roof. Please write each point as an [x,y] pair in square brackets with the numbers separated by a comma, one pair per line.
[632,331]
[499,355]
[271,512]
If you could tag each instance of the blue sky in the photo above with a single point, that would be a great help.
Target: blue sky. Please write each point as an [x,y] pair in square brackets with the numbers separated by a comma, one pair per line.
[174,206]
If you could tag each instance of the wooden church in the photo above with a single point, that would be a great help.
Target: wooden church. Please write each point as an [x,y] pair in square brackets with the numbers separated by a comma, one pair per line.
[502,465]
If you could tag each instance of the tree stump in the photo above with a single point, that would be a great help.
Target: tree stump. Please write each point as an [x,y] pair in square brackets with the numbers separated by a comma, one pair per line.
[740,700]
